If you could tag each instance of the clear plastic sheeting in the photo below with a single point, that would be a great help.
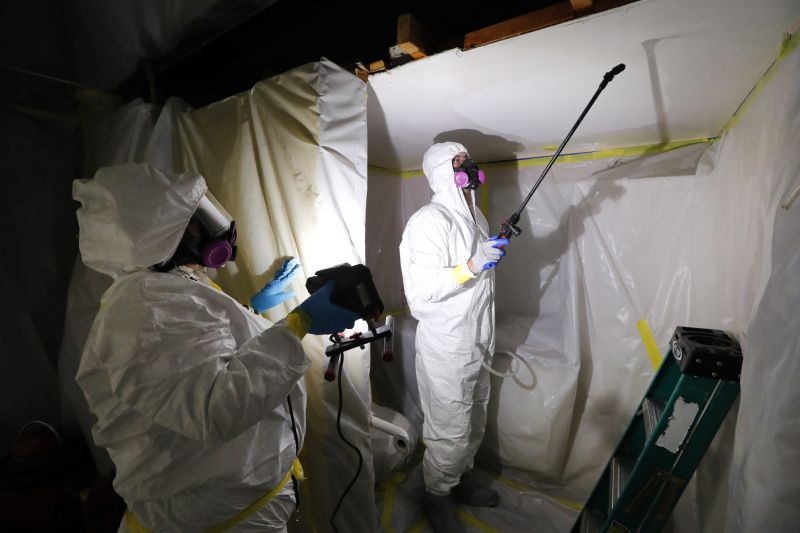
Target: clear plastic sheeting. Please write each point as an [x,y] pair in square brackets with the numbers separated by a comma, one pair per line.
[676,235]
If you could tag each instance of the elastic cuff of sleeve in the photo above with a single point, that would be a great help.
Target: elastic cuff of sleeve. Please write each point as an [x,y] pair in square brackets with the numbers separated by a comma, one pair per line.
[461,273]
[298,323]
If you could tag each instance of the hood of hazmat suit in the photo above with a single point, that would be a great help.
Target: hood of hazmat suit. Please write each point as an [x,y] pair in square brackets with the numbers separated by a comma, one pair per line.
[456,320]
[195,395]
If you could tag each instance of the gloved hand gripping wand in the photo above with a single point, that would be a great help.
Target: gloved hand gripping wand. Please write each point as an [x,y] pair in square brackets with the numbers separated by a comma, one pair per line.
[509,227]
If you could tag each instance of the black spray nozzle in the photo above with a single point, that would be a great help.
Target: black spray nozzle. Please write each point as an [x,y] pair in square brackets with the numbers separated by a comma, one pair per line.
[608,76]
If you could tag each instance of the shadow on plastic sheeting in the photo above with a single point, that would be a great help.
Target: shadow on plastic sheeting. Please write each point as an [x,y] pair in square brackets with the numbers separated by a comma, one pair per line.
[481,146]
[541,252]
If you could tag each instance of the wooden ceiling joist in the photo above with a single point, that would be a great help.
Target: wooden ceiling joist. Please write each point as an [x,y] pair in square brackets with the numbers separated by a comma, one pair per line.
[581,7]
[412,36]
[529,22]
[542,18]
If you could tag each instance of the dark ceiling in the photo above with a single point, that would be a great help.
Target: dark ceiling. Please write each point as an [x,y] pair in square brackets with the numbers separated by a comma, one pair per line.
[289,33]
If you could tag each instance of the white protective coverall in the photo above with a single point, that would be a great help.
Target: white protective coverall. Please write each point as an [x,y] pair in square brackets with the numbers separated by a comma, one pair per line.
[456,321]
[189,387]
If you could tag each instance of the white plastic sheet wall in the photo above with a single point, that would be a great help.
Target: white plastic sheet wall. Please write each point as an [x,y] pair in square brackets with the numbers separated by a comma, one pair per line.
[693,236]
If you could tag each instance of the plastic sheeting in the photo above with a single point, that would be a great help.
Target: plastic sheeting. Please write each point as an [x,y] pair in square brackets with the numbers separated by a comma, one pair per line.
[288,160]
[687,236]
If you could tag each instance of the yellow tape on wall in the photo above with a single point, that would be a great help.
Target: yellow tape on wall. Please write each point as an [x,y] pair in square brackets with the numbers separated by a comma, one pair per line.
[649,343]
[628,151]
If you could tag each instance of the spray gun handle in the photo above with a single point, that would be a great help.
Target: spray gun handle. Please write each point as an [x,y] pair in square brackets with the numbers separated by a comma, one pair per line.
[510,228]
[333,365]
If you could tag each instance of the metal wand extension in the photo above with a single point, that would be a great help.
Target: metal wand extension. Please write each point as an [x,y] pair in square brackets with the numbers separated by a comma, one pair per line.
[509,227]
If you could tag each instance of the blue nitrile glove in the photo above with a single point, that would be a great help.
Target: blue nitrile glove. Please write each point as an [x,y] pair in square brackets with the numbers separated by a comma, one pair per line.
[273,292]
[323,316]
[488,254]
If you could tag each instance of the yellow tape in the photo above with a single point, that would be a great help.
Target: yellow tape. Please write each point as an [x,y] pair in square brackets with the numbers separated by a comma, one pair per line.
[627,151]
[405,174]
[134,526]
[461,273]
[298,322]
[396,312]
[790,44]
[388,501]
[475,522]
[649,343]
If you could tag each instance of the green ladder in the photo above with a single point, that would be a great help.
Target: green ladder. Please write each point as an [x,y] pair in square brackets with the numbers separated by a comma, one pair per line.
[683,408]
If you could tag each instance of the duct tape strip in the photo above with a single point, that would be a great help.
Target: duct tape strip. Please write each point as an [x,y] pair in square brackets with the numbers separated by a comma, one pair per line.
[396,312]
[525,488]
[790,44]
[649,343]
[405,174]
[477,523]
[582,157]
[388,500]
[628,151]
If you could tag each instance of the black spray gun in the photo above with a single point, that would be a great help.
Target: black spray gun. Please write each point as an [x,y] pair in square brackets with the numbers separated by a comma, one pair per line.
[354,290]
[509,227]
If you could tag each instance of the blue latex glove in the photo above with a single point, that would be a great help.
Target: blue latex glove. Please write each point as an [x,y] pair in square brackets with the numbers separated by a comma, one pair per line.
[326,317]
[273,292]
[488,253]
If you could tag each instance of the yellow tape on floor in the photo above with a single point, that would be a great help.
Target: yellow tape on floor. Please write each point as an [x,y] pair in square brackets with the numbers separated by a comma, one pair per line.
[476,522]
[388,500]
[649,343]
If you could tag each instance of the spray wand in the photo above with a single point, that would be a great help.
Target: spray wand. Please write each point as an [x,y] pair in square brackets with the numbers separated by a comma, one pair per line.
[509,227]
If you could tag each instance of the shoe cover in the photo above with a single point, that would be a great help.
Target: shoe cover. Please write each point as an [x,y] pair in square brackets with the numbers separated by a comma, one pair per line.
[475,495]
[441,513]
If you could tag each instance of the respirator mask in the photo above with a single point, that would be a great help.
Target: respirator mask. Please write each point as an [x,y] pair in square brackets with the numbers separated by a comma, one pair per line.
[209,239]
[468,175]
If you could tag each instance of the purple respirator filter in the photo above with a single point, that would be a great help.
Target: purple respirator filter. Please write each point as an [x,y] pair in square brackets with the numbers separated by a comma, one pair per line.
[462,178]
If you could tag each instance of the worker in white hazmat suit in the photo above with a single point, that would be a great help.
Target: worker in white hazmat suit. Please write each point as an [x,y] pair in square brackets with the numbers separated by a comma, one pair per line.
[199,400]
[447,259]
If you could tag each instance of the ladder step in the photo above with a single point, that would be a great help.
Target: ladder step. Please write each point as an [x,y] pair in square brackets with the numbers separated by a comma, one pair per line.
[651,412]
[620,472]
[591,521]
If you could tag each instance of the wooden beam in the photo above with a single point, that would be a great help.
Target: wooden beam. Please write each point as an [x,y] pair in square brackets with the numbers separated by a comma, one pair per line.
[412,36]
[548,16]
[542,18]
[581,7]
